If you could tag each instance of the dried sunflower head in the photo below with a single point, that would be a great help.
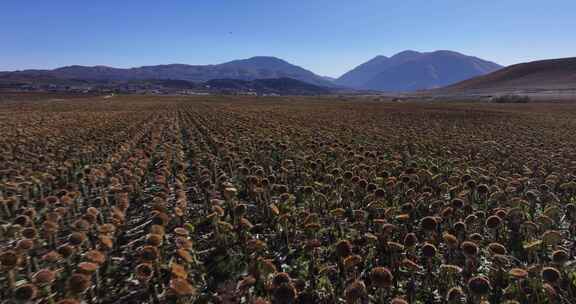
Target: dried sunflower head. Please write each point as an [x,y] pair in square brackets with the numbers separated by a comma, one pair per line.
[381,277]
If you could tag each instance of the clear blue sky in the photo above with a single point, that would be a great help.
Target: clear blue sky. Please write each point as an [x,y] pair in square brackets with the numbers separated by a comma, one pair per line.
[326,36]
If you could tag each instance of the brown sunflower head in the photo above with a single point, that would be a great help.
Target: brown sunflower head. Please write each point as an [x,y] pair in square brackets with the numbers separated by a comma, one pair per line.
[66,250]
[381,277]
[240,210]
[457,203]
[429,250]
[22,220]
[518,273]
[493,222]
[29,232]
[352,261]
[78,283]
[355,292]
[76,238]
[550,275]
[450,240]
[181,287]
[87,268]
[429,223]
[479,286]
[44,277]
[343,248]
[460,227]
[25,293]
[95,256]
[550,292]
[149,253]
[154,240]
[398,301]
[280,278]
[245,283]
[9,259]
[410,240]
[497,248]
[379,193]
[469,249]
[286,293]
[25,245]
[455,295]
[560,256]
[144,272]
[52,257]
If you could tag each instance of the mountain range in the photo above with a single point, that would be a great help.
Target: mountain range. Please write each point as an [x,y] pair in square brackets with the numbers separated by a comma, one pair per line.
[260,67]
[438,72]
[405,71]
[411,71]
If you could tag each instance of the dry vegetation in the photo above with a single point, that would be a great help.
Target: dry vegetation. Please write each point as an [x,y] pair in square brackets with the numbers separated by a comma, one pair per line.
[223,200]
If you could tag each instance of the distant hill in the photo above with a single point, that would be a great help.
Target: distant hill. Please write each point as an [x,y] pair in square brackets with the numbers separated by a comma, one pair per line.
[246,69]
[411,71]
[553,74]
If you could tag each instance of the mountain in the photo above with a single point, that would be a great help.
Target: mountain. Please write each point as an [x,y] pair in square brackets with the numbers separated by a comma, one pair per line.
[358,76]
[412,71]
[553,74]
[245,69]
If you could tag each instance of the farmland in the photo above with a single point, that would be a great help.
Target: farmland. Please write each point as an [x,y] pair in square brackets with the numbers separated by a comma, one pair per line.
[286,200]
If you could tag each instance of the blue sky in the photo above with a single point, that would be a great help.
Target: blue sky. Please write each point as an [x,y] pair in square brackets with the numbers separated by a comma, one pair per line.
[328,37]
